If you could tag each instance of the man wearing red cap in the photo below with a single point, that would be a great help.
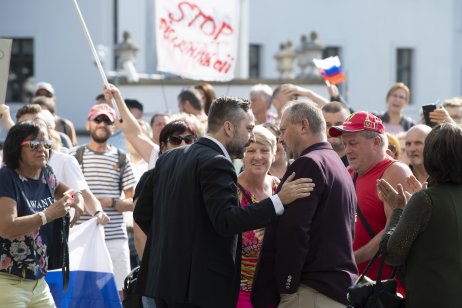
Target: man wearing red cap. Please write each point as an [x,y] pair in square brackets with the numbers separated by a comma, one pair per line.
[108,175]
[365,146]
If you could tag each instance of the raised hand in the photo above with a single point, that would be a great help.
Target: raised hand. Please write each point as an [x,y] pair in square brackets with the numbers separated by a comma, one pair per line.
[394,199]
[414,185]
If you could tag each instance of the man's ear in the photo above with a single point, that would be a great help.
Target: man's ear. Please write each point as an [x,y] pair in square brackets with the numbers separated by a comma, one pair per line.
[87,126]
[305,126]
[228,128]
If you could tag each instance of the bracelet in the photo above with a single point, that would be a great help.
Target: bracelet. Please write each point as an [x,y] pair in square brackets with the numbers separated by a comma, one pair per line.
[43,217]
[113,204]
[97,212]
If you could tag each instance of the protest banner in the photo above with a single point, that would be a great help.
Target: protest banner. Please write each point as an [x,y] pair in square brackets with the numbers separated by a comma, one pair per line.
[198,39]
[5,56]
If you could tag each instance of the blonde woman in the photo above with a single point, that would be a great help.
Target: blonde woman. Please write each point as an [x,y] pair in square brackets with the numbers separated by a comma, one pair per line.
[255,184]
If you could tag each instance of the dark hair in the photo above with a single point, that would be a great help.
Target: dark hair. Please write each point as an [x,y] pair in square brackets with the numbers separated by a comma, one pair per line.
[100,97]
[28,109]
[174,127]
[192,96]
[274,127]
[155,115]
[442,149]
[133,103]
[209,94]
[45,102]
[16,135]
[226,108]
[334,107]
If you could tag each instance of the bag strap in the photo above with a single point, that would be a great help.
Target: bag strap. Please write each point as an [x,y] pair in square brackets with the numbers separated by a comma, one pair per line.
[244,193]
[360,214]
[122,162]
[47,171]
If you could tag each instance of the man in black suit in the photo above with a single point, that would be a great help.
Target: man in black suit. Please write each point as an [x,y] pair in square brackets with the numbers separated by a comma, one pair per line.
[307,257]
[189,211]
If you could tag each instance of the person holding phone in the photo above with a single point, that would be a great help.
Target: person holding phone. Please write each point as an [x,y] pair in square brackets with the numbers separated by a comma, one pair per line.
[394,119]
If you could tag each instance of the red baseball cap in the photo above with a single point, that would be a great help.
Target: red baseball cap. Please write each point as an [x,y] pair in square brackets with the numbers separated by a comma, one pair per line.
[358,121]
[102,109]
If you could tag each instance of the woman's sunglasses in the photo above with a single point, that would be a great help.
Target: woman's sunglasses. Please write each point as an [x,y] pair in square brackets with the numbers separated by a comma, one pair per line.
[35,144]
[176,140]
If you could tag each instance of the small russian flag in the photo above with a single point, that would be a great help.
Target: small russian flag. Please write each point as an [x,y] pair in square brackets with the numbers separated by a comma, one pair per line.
[330,69]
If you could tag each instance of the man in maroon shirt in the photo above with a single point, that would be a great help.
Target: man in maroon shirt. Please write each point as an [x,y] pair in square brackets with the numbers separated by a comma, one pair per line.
[307,255]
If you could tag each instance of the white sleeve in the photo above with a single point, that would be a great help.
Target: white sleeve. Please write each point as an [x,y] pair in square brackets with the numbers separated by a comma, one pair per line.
[73,176]
[154,156]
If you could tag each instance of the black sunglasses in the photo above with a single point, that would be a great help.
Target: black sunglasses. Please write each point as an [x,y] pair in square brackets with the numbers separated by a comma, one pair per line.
[176,140]
[34,144]
[103,120]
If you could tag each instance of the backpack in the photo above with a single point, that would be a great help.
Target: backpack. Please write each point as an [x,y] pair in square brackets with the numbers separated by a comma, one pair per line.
[121,161]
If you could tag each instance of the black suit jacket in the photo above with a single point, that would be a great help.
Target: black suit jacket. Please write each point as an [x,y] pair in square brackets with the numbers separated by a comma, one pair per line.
[190,212]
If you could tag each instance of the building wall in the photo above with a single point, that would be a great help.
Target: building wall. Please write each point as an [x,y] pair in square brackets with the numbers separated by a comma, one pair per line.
[368,32]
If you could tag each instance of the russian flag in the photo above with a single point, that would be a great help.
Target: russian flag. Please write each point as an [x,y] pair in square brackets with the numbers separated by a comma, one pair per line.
[331,69]
[91,282]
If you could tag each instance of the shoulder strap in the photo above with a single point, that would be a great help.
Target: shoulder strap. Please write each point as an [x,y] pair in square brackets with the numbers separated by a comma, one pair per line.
[244,193]
[122,163]
[79,155]
[63,125]
[360,214]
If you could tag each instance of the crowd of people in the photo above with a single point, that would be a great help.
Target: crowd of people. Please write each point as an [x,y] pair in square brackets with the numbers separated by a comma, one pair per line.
[237,206]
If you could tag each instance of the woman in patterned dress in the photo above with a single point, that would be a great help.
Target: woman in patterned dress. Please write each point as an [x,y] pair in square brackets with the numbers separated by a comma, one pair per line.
[255,184]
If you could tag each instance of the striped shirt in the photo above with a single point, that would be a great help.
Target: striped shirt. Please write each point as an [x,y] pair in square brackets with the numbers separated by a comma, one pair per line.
[102,174]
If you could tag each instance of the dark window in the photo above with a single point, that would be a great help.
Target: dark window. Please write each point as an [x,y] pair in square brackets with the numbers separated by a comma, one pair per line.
[21,70]
[332,51]
[254,61]
[404,66]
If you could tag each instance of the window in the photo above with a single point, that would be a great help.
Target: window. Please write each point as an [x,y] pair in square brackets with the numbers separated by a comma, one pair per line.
[254,61]
[332,51]
[21,70]
[404,66]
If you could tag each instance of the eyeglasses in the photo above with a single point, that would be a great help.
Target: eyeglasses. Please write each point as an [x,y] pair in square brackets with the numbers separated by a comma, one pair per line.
[176,140]
[103,120]
[35,144]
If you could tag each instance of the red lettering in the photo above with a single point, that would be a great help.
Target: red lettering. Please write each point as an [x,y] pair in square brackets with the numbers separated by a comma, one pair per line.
[225,29]
[206,23]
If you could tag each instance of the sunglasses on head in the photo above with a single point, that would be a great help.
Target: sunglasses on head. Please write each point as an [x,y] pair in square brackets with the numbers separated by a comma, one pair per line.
[176,140]
[35,144]
[103,120]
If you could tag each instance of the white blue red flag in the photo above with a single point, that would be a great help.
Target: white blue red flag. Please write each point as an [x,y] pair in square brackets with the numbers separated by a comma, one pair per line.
[91,282]
[331,69]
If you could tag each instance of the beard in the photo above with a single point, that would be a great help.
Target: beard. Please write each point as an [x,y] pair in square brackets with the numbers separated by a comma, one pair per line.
[100,138]
[236,149]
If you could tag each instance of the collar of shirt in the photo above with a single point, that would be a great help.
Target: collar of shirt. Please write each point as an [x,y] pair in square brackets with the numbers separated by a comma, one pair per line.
[221,147]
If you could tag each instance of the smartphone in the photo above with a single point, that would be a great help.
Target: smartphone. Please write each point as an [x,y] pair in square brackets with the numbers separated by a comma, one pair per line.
[426,109]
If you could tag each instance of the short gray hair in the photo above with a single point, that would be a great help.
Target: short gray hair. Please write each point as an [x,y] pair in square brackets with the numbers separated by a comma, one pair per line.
[263,90]
[303,109]
[370,134]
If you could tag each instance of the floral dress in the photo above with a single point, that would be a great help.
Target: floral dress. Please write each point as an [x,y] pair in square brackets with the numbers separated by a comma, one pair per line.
[251,245]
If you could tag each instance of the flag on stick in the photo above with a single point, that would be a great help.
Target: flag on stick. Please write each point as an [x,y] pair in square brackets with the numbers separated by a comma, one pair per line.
[91,282]
[330,69]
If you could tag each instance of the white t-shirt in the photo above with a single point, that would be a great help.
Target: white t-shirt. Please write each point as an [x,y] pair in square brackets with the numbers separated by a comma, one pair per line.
[67,170]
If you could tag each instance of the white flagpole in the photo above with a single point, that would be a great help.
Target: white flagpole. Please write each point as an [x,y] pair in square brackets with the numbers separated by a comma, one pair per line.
[95,55]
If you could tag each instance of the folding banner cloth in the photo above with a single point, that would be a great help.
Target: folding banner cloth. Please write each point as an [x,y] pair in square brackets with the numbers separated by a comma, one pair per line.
[197,39]
[91,282]
[331,69]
